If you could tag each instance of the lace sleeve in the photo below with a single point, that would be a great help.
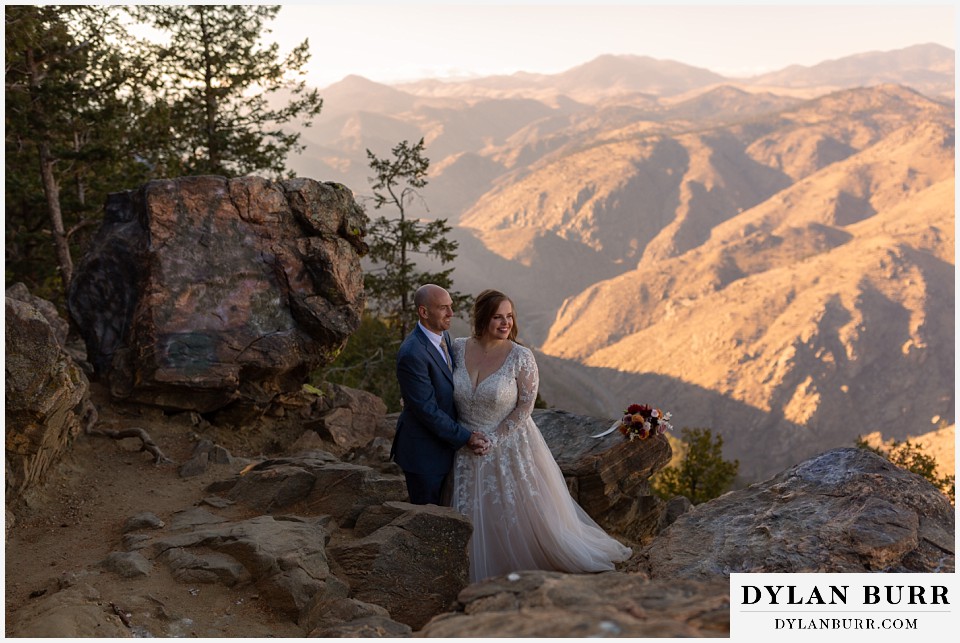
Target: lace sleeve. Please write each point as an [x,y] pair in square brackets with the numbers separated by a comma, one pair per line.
[528,380]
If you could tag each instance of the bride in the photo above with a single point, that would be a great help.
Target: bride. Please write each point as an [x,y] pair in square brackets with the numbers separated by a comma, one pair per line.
[522,513]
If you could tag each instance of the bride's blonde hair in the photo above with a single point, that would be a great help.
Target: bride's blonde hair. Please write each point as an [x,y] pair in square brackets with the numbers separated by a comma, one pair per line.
[485,307]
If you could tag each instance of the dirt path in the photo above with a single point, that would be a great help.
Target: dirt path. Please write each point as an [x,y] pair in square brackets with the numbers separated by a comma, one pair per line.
[77,521]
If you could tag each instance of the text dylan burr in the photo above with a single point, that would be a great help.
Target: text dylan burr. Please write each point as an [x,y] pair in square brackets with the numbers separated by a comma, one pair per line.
[837,595]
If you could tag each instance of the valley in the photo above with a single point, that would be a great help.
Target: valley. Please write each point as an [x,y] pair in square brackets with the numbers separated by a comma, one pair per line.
[771,258]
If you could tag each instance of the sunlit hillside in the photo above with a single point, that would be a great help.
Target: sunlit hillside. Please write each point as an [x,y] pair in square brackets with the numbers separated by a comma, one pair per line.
[770,258]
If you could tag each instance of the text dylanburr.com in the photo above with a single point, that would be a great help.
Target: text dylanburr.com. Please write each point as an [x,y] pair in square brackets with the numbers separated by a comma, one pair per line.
[847,607]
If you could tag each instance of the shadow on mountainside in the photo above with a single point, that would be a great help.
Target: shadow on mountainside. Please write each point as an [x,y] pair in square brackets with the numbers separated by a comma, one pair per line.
[764,443]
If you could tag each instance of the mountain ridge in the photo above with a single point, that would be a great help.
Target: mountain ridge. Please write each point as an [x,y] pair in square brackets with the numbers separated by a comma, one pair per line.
[696,223]
[928,66]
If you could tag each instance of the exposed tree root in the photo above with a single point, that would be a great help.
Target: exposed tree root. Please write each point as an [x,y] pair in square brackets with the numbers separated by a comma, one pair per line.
[90,417]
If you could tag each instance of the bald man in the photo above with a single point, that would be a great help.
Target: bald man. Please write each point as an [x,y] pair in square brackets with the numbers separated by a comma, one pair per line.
[428,435]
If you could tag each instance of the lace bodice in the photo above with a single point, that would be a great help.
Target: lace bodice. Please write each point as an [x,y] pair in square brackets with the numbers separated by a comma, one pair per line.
[501,400]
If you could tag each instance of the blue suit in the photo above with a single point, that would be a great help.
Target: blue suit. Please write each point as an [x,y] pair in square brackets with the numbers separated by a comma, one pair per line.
[428,435]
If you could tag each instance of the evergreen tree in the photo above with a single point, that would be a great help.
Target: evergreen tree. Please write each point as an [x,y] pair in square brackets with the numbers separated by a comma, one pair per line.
[393,278]
[367,362]
[221,90]
[911,456]
[90,110]
[369,359]
[70,105]
[702,473]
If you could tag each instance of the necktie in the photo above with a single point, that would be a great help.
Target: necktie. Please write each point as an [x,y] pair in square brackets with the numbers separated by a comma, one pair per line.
[446,352]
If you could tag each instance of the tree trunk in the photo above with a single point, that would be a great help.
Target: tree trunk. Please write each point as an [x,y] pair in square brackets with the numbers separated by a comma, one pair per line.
[48,179]
[78,143]
[404,292]
[210,101]
[52,193]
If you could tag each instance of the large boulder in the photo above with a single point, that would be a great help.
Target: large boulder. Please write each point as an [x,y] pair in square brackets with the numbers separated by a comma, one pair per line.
[347,417]
[608,605]
[59,325]
[47,396]
[846,510]
[610,476]
[203,292]
[414,566]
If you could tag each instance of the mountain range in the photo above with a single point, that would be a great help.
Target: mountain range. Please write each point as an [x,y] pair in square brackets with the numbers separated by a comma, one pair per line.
[771,258]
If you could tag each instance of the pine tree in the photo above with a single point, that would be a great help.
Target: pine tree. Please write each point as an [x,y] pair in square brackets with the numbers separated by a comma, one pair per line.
[911,456]
[221,90]
[69,108]
[367,362]
[702,473]
[90,110]
[393,278]
[369,359]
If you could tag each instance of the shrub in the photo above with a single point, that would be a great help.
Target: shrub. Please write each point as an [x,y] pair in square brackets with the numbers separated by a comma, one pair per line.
[910,456]
[702,474]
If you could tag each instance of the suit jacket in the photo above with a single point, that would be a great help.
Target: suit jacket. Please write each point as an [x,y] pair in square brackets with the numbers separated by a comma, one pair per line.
[428,434]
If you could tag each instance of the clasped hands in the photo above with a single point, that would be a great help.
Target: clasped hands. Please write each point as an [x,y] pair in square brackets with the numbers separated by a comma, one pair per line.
[479,443]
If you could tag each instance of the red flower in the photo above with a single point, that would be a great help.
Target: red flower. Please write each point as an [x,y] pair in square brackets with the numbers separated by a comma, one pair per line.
[642,421]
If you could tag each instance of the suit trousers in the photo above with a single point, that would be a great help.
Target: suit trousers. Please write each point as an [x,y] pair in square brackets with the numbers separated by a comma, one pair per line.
[425,488]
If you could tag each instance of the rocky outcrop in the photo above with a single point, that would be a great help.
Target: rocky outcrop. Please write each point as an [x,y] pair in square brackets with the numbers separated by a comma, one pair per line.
[315,483]
[610,476]
[285,559]
[47,394]
[846,510]
[345,416]
[58,325]
[203,293]
[409,568]
[355,561]
[73,612]
[205,453]
[350,618]
[414,565]
[611,604]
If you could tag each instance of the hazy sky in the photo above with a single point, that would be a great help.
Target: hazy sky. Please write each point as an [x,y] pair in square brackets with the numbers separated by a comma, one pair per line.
[397,41]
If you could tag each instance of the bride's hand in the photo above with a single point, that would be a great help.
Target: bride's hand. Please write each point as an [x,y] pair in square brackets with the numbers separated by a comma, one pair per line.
[479,443]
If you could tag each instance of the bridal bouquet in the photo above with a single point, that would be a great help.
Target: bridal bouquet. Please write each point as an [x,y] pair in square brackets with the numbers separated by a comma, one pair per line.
[640,421]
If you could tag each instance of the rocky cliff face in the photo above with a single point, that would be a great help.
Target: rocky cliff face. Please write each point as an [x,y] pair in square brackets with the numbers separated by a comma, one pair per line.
[202,293]
[608,476]
[321,537]
[47,399]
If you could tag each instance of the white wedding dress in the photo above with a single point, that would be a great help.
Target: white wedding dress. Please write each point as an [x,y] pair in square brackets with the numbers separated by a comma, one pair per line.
[522,513]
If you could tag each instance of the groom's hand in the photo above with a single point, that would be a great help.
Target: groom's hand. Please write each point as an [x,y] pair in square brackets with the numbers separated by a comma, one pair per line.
[478,443]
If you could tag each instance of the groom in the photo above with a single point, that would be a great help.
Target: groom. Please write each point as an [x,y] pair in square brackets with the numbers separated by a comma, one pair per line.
[428,434]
